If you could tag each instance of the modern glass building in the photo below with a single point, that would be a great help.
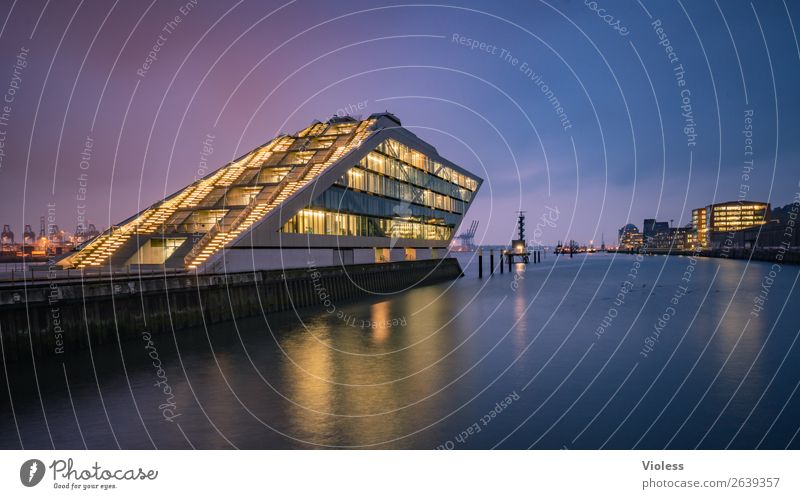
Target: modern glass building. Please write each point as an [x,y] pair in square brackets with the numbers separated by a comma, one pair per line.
[727,217]
[340,192]
[630,238]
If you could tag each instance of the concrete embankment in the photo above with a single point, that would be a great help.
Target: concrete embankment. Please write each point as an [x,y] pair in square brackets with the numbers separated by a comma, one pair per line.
[65,315]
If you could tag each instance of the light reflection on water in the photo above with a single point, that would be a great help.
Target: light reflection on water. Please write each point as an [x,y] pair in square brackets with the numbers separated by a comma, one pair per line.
[415,369]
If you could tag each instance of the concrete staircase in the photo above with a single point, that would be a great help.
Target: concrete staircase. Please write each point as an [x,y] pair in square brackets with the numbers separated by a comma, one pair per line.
[115,240]
[219,235]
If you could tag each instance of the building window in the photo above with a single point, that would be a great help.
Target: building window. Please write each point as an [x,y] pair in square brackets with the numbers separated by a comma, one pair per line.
[272,175]
[241,196]
[156,251]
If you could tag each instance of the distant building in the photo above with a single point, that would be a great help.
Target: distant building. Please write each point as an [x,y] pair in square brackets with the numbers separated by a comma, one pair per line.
[630,238]
[673,238]
[781,231]
[652,230]
[727,217]
[660,236]
[683,237]
[656,235]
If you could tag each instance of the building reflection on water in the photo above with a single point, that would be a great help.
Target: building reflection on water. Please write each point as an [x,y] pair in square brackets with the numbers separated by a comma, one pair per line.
[365,382]
[740,329]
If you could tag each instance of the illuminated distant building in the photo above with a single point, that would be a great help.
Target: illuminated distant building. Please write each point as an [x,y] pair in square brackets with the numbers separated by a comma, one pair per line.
[630,238]
[673,238]
[660,236]
[682,238]
[727,217]
[779,232]
[340,192]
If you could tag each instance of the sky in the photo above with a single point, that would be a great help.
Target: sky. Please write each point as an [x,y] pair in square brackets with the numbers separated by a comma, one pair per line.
[592,114]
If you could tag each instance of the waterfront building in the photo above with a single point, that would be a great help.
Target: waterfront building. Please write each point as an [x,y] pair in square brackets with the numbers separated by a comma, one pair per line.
[651,229]
[340,192]
[682,238]
[727,217]
[630,238]
[673,238]
[779,232]
[660,236]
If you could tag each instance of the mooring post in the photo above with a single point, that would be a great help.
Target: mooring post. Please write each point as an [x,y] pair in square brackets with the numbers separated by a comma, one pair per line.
[491,262]
[510,258]
[480,264]
[502,254]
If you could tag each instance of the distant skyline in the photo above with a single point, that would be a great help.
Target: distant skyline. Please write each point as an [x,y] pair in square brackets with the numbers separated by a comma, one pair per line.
[646,110]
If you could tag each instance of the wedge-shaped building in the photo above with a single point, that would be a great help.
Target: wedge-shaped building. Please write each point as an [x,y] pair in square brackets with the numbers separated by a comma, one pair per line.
[340,192]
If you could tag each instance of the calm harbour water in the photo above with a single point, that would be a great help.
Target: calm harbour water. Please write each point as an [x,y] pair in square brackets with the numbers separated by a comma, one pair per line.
[550,356]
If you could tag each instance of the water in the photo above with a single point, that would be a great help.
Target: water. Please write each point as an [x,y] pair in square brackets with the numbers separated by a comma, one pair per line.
[540,358]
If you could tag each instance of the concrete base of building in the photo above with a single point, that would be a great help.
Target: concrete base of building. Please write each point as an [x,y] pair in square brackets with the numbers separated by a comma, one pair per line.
[62,317]
[249,259]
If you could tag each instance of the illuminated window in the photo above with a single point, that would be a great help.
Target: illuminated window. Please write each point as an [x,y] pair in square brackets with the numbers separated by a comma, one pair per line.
[272,175]
[241,196]
[156,251]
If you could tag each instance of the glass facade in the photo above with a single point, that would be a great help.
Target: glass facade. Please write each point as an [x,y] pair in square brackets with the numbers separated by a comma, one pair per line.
[330,223]
[272,175]
[394,191]
[156,251]
[727,217]
[241,196]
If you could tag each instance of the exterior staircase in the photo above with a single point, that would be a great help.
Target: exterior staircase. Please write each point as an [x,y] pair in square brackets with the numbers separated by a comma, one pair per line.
[220,235]
[99,250]
[116,244]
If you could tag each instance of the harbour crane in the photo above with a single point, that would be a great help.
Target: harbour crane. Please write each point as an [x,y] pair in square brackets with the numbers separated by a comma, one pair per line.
[467,238]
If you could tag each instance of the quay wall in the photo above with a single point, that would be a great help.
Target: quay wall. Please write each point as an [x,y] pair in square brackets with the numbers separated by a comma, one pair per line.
[64,315]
